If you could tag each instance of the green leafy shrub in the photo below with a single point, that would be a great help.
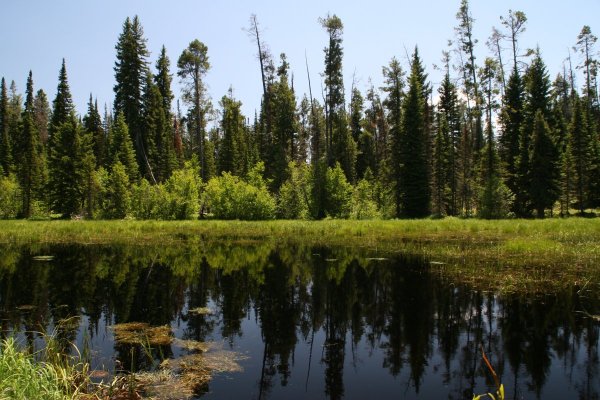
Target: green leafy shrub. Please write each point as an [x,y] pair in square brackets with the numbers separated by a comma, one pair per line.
[10,197]
[229,197]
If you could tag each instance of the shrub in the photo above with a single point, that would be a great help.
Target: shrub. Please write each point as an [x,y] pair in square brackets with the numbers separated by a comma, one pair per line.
[363,205]
[10,197]
[229,197]
[183,188]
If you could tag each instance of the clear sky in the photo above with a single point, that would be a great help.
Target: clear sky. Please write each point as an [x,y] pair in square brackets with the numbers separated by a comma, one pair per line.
[37,34]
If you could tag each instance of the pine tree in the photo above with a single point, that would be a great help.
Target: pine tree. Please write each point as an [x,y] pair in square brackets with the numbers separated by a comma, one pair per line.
[121,148]
[6,163]
[131,71]
[449,107]
[537,90]
[394,85]
[285,127]
[579,146]
[545,172]
[42,115]
[193,65]
[441,166]
[232,148]
[13,122]
[163,79]
[92,123]
[412,182]
[28,157]
[340,145]
[156,135]
[511,120]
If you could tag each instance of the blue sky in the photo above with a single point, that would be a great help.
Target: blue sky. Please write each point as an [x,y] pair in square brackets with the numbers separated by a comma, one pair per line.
[37,34]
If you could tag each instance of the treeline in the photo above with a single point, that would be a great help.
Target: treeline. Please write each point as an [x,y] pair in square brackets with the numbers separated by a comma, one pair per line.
[501,138]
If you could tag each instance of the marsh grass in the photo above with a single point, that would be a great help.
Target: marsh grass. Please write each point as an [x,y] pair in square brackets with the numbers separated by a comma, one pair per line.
[506,255]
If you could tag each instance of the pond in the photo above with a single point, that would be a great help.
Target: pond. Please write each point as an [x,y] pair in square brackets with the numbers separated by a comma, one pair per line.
[299,322]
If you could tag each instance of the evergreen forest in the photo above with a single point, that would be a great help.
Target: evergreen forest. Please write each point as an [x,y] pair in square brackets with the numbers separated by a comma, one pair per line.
[497,138]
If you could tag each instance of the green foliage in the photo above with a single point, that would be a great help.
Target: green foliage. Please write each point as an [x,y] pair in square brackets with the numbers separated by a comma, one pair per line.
[29,155]
[10,196]
[5,139]
[229,197]
[62,106]
[338,193]
[66,182]
[412,180]
[294,194]
[363,205]
[121,148]
[545,172]
[232,152]
[183,188]
[494,199]
[24,378]
[131,71]
[149,201]
[116,202]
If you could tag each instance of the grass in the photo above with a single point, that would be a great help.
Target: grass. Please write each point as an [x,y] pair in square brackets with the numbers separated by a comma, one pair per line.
[511,255]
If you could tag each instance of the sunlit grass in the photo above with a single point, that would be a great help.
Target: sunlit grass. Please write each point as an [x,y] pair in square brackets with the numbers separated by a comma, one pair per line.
[507,254]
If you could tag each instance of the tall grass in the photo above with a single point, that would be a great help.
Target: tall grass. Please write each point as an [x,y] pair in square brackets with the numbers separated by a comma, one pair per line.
[22,377]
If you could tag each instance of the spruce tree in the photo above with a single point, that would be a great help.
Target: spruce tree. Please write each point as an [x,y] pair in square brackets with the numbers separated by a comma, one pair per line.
[13,122]
[6,163]
[232,148]
[163,79]
[394,84]
[131,71]
[62,106]
[449,108]
[545,172]
[157,131]
[42,115]
[28,154]
[121,148]
[66,178]
[580,146]
[285,127]
[511,120]
[412,182]
[441,166]
[537,90]
[92,123]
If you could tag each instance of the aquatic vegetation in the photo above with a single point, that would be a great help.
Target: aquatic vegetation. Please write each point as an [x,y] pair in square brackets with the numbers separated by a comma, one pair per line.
[142,333]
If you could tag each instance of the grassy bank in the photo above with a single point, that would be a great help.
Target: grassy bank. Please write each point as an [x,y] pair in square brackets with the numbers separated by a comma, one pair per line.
[506,253]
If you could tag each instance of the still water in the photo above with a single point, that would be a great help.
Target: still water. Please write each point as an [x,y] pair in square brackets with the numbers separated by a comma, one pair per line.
[305,322]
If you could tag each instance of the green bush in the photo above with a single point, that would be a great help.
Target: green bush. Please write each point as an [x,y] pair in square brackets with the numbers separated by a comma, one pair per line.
[149,201]
[229,197]
[10,197]
[183,188]
[363,205]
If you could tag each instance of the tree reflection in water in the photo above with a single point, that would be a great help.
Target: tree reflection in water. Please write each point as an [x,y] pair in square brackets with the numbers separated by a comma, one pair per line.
[326,319]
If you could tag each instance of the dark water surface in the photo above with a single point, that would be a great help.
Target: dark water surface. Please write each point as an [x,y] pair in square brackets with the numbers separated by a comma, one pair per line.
[309,322]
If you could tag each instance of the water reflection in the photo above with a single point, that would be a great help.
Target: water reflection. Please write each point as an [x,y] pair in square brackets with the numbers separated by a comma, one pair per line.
[314,322]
